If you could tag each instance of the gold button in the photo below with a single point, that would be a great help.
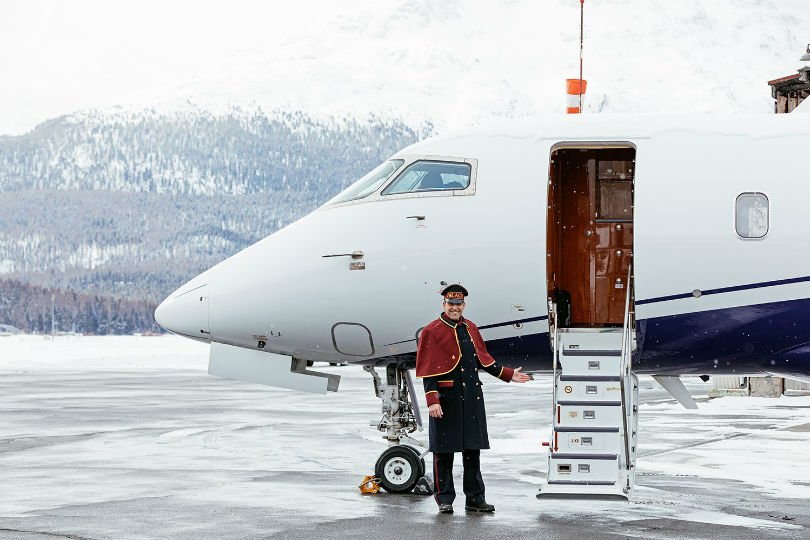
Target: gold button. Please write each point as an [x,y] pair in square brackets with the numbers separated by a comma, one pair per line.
[478,398]
[462,369]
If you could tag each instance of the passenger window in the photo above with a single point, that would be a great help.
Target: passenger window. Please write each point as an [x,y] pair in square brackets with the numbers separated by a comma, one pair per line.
[423,176]
[751,215]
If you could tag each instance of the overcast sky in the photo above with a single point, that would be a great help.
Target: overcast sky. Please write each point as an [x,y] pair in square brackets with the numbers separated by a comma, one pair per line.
[56,56]
[59,56]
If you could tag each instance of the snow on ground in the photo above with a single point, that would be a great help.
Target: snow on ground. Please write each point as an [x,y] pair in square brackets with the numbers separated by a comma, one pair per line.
[109,437]
[749,437]
[41,353]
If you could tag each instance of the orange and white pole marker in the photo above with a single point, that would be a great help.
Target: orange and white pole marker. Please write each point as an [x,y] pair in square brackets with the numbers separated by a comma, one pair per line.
[575,91]
[575,88]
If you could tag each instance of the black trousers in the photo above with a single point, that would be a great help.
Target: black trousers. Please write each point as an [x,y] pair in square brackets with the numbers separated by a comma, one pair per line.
[444,491]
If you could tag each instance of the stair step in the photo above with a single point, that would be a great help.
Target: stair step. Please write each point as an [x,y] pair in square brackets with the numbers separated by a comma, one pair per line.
[591,366]
[589,403]
[580,467]
[589,414]
[582,482]
[568,429]
[588,390]
[606,457]
[573,339]
[587,352]
[586,442]
[590,378]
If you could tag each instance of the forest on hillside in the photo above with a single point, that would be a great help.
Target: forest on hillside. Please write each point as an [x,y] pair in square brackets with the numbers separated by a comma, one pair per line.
[126,206]
[30,309]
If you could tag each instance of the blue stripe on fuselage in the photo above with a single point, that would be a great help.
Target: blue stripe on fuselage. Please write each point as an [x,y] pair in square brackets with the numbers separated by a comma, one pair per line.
[724,290]
[745,339]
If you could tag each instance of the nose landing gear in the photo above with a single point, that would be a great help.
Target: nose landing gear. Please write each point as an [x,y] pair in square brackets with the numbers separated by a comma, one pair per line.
[401,466]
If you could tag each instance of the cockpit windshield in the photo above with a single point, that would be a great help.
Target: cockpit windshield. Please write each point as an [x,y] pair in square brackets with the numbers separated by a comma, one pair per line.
[369,183]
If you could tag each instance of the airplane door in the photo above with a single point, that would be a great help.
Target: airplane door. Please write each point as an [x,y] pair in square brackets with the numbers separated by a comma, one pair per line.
[590,232]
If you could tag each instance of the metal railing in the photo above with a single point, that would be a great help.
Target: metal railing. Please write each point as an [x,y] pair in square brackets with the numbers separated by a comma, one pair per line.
[553,331]
[627,346]
[625,371]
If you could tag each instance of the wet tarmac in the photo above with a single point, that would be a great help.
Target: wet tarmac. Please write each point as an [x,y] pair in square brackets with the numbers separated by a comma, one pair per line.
[174,453]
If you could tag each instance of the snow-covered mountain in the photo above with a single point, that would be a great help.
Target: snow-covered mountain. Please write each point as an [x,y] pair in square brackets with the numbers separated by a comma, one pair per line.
[134,204]
[451,62]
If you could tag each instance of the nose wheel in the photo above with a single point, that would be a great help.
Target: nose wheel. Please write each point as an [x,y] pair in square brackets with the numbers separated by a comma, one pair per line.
[399,468]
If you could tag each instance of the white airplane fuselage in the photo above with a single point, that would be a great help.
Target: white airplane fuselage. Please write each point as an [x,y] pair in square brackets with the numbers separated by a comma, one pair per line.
[707,301]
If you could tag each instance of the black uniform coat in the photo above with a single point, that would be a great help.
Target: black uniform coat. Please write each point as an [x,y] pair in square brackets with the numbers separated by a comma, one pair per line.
[463,425]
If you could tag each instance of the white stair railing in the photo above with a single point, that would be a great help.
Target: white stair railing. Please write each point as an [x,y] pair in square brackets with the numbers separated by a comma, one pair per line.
[554,336]
[626,382]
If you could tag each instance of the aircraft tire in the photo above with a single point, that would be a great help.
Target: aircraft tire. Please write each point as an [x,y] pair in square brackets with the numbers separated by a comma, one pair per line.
[399,468]
[418,456]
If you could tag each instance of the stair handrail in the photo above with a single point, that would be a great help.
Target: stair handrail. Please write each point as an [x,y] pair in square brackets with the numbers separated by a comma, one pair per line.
[554,354]
[626,360]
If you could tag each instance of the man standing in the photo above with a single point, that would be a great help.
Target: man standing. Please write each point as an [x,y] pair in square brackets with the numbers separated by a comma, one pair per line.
[450,353]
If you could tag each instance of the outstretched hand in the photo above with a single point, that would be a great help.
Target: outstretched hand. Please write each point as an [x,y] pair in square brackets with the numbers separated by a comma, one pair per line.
[517,376]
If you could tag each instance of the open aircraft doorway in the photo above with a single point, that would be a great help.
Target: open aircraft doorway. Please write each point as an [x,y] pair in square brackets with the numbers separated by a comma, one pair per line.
[590,233]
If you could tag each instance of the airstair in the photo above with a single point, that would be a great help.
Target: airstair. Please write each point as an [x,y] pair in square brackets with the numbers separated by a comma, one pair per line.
[592,450]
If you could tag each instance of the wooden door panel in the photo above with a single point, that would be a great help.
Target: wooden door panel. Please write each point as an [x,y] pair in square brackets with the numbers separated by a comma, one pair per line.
[609,300]
[576,255]
[614,248]
[613,255]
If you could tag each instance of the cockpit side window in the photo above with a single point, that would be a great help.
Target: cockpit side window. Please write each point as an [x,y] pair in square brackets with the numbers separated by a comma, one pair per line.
[425,175]
[369,183]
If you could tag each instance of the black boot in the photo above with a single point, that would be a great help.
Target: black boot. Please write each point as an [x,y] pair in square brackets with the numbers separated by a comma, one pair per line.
[479,507]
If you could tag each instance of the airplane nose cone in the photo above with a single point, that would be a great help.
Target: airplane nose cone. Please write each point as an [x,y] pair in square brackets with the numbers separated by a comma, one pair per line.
[186,313]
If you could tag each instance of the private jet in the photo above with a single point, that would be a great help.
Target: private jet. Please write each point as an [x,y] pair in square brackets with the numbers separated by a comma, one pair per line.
[594,248]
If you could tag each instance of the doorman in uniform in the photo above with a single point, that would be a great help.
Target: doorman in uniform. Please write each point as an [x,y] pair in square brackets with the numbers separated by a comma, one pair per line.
[450,353]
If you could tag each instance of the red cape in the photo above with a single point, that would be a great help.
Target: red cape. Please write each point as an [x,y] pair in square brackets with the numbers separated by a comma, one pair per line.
[439,351]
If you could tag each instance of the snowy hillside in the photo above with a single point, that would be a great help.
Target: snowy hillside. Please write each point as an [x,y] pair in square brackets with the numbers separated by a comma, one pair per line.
[458,62]
[133,205]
